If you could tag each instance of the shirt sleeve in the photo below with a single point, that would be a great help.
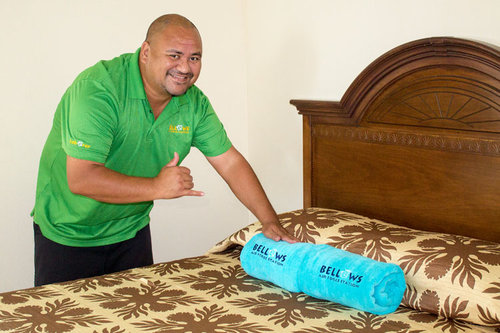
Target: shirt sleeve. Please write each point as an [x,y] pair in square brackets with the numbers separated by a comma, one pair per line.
[88,121]
[210,137]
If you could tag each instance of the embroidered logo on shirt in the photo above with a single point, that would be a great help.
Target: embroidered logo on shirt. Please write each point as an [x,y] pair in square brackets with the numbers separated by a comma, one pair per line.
[178,129]
[79,143]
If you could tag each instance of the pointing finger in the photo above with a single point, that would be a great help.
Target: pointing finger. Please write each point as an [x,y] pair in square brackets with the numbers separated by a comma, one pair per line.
[194,193]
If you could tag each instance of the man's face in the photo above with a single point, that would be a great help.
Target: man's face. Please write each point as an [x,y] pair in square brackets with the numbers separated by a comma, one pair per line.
[171,61]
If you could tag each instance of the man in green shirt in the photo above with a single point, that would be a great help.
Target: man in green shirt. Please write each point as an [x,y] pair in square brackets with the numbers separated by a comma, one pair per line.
[119,134]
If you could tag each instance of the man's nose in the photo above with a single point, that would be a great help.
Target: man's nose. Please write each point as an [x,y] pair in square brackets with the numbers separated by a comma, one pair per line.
[183,65]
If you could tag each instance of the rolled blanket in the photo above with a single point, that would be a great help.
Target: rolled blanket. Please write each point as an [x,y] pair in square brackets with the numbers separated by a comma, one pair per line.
[325,272]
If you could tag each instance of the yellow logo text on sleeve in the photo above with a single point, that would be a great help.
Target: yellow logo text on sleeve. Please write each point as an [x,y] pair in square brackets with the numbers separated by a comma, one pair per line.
[79,143]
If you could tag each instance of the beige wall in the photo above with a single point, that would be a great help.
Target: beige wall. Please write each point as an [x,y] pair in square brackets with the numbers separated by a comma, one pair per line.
[315,49]
[45,44]
[257,55]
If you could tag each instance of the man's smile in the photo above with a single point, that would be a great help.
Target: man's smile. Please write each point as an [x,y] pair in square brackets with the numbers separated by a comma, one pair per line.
[180,77]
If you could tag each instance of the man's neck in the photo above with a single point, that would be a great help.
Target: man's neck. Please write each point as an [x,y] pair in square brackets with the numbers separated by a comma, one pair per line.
[158,107]
[156,100]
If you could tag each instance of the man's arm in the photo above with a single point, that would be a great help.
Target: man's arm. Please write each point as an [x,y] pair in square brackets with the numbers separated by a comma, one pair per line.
[95,181]
[240,177]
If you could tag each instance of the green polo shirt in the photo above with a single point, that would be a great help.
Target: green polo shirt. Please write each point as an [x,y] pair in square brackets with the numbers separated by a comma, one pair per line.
[105,117]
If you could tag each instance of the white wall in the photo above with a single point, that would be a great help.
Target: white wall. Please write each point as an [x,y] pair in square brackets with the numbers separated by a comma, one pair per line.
[45,44]
[314,50]
[258,54]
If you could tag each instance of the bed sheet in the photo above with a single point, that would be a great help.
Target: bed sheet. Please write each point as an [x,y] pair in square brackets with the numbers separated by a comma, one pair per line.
[209,293]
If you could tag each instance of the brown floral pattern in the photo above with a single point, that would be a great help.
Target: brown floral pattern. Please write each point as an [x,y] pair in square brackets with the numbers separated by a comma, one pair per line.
[153,296]
[363,322]
[23,296]
[465,256]
[59,316]
[494,289]
[211,318]
[224,282]
[306,225]
[212,293]
[186,264]
[371,239]
[447,275]
[286,309]
[114,329]
[488,316]
[100,281]
[427,301]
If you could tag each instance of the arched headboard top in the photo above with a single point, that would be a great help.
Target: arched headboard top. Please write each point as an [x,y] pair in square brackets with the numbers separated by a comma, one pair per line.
[439,82]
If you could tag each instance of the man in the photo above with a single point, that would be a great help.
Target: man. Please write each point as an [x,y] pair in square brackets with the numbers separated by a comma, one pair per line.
[119,134]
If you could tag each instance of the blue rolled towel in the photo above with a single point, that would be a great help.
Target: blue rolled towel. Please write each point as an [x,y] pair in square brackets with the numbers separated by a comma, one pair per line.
[325,272]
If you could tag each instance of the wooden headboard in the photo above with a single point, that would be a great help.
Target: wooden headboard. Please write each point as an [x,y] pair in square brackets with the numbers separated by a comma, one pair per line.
[414,141]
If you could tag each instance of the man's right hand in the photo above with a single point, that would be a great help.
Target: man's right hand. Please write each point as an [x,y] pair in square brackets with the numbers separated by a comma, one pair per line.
[175,181]
[94,180]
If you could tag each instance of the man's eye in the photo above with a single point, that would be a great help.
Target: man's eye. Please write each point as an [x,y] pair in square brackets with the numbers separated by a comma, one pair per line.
[174,56]
[195,58]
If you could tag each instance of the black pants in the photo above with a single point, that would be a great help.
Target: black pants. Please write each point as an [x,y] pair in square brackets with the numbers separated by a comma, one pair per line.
[57,263]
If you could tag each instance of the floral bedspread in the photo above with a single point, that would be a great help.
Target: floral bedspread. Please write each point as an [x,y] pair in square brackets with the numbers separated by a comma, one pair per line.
[202,294]
[209,293]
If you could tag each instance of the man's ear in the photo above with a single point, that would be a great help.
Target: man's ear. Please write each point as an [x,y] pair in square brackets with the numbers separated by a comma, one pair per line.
[144,54]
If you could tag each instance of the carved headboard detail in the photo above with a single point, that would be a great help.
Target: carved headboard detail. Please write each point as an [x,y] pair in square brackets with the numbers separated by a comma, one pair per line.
[438,101]
[415,140]
[428,79]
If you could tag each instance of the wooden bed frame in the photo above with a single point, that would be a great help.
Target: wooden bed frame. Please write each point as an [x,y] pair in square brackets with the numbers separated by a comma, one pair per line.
[414,141]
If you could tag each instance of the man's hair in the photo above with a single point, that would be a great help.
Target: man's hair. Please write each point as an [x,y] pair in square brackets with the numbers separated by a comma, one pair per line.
[161,22]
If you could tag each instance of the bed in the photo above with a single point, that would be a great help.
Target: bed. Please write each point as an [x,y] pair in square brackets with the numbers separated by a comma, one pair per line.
[405,168]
